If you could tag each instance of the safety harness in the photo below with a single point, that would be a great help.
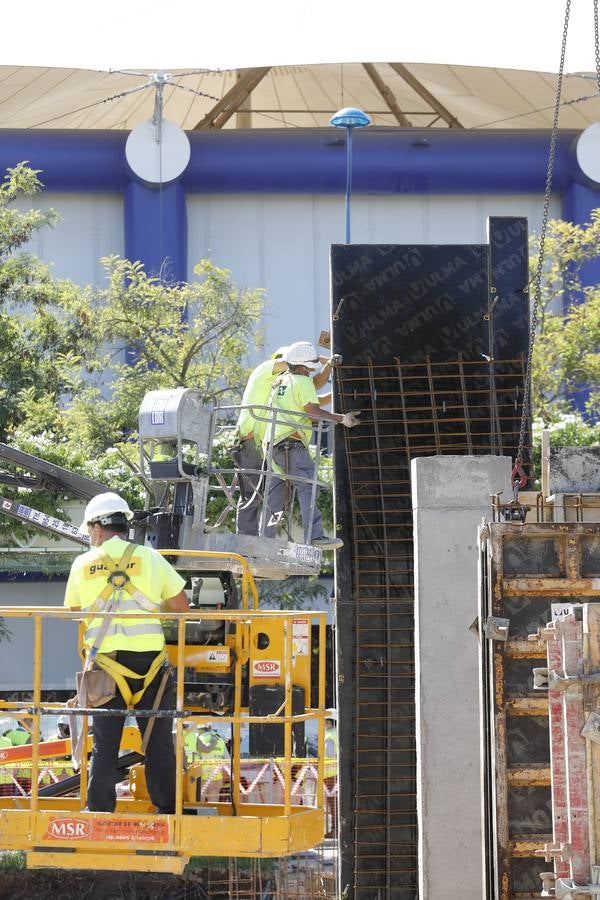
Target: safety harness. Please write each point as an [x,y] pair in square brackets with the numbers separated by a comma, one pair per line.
[118,581]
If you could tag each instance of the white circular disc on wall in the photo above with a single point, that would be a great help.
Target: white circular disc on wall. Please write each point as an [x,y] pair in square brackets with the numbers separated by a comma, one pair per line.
[154,162]
[588,152]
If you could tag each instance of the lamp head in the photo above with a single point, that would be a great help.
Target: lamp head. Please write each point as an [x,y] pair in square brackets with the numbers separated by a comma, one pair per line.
[349,117]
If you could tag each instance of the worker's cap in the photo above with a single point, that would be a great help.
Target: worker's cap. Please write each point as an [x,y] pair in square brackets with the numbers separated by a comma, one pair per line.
[106,509]
[302,353]
[331,714]
[6,725]
[280,352]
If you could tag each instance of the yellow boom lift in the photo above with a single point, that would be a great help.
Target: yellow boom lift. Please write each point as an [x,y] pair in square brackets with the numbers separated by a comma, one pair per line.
[251,668]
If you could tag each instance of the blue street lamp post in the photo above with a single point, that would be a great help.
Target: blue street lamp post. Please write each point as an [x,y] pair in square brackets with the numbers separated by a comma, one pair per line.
[349,119]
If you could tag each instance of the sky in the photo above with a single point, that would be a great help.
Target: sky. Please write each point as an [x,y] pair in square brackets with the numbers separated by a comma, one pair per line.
[224,34]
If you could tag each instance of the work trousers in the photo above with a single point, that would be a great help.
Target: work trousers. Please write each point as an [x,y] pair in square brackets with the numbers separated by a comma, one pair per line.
[160,753]
[248,507]
[293,459]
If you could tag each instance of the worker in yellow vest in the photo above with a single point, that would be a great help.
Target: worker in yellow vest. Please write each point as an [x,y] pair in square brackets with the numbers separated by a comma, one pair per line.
[117,576]
[211,751]
[7,785]
[330,772]
[252,425]
[294,399]
[19,735]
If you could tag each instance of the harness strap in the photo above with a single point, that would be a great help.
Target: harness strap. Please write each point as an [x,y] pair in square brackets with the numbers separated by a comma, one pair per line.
[117,578]
[120,673]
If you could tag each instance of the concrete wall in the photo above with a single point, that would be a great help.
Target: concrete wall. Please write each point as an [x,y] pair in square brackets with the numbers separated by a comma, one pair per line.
[450,497]
[90,226]
[281,241]
[276,241]
[60,660]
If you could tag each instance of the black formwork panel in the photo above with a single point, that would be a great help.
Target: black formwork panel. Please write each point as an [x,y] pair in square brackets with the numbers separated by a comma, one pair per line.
[434,340]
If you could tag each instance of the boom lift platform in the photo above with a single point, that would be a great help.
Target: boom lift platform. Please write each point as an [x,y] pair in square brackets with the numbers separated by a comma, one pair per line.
[269,656]
[250,667]
[179,436]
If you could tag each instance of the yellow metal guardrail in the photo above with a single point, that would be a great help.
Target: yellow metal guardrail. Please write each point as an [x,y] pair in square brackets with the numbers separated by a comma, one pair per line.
[243,829]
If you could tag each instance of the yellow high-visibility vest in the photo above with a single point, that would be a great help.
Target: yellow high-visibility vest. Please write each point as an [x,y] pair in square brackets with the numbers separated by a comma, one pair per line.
[152,580]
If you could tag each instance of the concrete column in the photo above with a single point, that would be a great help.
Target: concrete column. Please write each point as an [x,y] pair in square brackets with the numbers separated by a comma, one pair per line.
[450,497]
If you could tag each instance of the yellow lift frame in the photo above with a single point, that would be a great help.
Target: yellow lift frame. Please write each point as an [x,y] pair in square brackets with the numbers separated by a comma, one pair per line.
[57,832]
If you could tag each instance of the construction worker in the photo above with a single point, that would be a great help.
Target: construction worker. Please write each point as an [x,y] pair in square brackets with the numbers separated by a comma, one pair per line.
[330,772]
[117,575]
[7,785]
[17,734]
[249,433]
[295,392]
[250,430]
[208,747]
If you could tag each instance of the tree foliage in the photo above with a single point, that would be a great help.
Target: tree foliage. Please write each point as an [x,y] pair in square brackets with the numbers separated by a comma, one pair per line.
[194,334]
[42,335]
[76,362]
[567,347]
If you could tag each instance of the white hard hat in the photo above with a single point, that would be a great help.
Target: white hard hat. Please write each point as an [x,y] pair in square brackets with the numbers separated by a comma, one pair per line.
[6,725]
[103,507]
[280,352]
[331,714]
[302,353]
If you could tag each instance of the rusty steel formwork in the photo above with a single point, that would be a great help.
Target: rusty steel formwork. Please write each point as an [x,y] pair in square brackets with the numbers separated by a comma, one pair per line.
[525,569]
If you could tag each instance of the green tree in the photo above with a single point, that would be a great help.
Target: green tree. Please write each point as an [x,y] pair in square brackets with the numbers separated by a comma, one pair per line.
[194,334]
[43,329]
[567,347]
[77,362]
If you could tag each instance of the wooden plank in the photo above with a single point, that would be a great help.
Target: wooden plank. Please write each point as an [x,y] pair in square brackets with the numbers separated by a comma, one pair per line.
[426,95]
[591,627]
[557,758]
[575,754]
[387,94]
[233,99]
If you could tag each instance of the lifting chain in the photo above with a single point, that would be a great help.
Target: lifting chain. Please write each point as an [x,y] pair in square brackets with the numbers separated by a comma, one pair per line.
[596,44]
[519,478]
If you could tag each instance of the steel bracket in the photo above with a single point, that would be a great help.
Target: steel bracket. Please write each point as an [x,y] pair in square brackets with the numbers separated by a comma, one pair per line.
[559,851]
[591,729]
[567,889]
[496,629]
[558,682]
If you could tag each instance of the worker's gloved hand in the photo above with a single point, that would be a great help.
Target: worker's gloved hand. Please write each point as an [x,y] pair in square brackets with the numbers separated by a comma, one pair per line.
[350,419]
[335,360]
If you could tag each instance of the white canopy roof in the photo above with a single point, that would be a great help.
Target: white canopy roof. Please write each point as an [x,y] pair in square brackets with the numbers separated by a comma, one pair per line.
[297,96]
[434,63]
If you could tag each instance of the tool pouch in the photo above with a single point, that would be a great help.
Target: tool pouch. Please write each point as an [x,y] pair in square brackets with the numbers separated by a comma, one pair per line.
[95,687]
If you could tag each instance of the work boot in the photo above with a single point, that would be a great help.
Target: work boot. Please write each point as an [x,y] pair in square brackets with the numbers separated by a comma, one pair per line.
[327,543]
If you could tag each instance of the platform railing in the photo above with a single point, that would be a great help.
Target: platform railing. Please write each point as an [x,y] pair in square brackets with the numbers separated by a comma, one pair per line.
[238,718]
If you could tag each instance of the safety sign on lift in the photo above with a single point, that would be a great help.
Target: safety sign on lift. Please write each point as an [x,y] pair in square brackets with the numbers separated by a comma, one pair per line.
[302,553]
[300,637]
[144,831]
[216,655]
